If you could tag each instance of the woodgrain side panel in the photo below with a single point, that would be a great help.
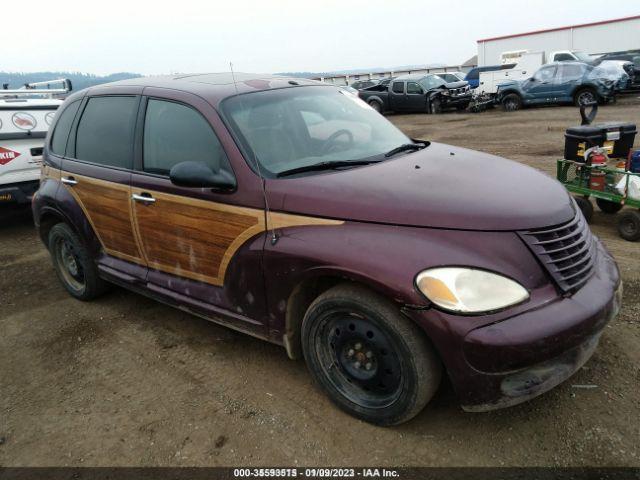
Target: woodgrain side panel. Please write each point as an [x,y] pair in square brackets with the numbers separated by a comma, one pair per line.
[190,237]
[49,172]
[107,206]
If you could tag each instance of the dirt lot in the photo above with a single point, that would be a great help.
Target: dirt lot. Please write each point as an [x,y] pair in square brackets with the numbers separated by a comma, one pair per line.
[126,381]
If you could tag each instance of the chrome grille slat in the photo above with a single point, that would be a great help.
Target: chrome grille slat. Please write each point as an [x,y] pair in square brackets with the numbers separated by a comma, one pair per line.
[567,251]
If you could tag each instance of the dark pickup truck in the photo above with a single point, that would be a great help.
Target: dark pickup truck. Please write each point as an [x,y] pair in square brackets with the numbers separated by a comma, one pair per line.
[418,93]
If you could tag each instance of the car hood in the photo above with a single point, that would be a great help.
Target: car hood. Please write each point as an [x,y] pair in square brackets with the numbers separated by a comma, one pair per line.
[460,84]
[440,186]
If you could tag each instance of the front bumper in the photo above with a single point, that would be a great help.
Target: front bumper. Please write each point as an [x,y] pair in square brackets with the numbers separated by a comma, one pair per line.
[18,192]
[515,359]
[455,101]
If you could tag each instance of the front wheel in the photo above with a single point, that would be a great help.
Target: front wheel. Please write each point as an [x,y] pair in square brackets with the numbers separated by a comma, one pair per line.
[436,106]
[372,361]
[73,264]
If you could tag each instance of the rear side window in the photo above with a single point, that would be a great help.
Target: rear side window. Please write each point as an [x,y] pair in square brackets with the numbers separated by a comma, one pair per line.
[105,131]
[175,133]
[62,128]
[398,87]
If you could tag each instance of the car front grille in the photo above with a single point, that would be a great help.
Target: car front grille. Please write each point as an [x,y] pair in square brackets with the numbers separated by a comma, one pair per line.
[456,92]
[567,251]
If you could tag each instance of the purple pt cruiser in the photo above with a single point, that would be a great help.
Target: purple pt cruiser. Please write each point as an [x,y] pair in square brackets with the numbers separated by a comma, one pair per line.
[292,211]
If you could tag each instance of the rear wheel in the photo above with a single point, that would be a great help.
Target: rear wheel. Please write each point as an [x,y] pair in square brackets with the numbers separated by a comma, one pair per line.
[629,225]
[372,361]
[511,102]
[586,207]
[585,96]
[376,106]
[73,264]
[607,206]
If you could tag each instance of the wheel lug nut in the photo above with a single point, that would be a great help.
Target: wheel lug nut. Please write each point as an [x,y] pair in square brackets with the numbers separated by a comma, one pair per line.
[368,366]
[369,354]
[358,346]
[351,352]
[357,364]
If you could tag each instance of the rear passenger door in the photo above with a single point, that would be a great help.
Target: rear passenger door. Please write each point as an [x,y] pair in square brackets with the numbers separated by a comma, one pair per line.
[96,172]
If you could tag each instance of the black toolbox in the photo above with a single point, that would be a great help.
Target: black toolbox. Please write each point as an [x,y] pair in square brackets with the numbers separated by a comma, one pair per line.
[618,135]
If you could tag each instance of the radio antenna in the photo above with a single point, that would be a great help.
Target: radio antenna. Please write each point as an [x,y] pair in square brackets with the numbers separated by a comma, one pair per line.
[274,237]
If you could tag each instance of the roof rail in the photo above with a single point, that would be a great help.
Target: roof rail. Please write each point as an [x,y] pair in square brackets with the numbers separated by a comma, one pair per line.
[34,88]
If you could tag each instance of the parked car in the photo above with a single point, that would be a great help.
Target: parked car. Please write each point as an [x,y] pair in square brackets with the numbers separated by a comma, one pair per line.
[418,93]
[360,84]
[25,117]
[557,83]
[622,72]
[473,75]
[289,210]
[632,56]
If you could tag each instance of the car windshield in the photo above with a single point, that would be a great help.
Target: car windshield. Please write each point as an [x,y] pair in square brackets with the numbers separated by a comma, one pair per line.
[297,127]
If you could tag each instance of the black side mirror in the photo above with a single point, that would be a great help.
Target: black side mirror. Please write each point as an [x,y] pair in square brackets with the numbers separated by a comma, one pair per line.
[199,175]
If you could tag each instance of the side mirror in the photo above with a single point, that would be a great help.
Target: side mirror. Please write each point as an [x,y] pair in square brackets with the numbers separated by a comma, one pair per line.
[199,175]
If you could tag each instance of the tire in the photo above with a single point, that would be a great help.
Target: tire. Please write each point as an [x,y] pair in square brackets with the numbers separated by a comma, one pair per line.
[511,102]
[607,206]
[74,266]
[376,106]
[373,362]
[435,106]
[586,207]
[629,225]
[583,96]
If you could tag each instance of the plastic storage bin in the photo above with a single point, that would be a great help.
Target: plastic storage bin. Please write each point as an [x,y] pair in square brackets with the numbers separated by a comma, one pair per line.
[618,137]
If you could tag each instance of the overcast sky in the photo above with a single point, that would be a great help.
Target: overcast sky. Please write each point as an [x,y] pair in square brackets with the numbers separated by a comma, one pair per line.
[155,37]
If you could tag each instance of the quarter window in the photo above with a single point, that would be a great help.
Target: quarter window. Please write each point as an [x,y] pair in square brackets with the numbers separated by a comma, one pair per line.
[175,133]
[105,131]
[62,128]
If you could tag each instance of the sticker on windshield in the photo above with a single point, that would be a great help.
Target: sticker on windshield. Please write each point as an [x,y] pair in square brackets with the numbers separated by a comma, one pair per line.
[24,121]
[49,118]
[7,155]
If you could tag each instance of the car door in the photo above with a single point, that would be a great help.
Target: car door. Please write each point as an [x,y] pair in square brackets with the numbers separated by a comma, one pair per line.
[96,174]
[542,87]
[416,100]
[570,76]
[202,247]
[397,96]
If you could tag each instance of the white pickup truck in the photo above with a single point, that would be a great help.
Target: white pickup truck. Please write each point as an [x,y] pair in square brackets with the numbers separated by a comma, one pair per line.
[25,116]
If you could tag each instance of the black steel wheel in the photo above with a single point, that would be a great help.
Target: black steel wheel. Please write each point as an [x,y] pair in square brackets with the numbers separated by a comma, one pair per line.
[373,362]
[629,225]
[607,206]
[511,102]
[586,207]
[74,267]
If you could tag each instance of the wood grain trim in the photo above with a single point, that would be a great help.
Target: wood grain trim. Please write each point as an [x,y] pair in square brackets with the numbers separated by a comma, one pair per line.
[278,220]
[83,183]
[50,173]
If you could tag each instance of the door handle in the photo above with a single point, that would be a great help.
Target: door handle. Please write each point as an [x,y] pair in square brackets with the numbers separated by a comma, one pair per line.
[143,197]
[69,181]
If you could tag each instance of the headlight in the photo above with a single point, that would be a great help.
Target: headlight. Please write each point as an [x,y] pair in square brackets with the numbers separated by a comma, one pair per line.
[468,290]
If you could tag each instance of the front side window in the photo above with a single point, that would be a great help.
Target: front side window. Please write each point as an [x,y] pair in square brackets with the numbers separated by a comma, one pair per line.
[175,133]
[105,131]
[413,87]
[298,127]
[63,126]
[545,74]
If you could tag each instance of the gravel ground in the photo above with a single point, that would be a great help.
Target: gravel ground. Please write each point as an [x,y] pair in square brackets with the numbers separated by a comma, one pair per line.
[127,381]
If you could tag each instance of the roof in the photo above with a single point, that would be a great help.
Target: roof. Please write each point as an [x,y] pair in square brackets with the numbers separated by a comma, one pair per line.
[213,86]
[415,76]
[581,25]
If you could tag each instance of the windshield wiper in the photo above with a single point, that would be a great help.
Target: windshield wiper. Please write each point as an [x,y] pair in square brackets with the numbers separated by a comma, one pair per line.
[325,166]
[406,147]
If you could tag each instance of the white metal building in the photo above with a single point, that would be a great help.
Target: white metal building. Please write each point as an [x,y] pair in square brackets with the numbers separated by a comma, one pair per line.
[615,35]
